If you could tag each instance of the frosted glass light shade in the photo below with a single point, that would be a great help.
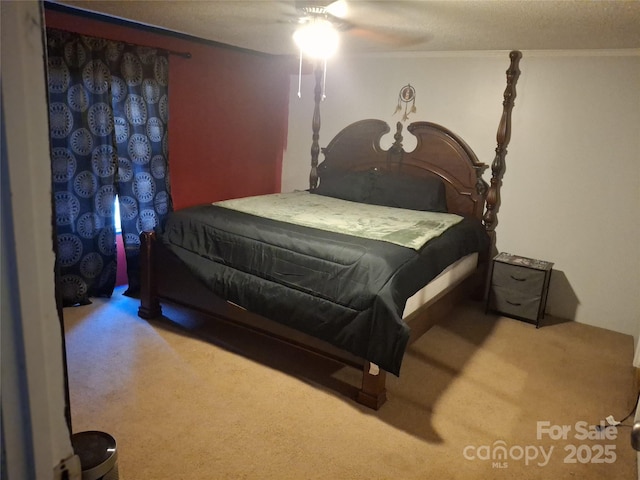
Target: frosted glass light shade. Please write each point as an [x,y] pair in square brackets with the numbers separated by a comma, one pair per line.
[317,39]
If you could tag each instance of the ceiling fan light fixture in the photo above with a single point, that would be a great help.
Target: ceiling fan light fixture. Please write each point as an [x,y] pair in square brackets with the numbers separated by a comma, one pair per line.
[317,39]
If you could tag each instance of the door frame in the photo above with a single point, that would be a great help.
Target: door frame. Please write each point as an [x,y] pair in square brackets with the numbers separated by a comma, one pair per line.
[35,429]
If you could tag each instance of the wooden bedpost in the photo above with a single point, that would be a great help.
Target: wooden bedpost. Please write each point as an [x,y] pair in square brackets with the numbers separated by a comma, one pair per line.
[503,137]
[315,128]
[149,303]
[373,393]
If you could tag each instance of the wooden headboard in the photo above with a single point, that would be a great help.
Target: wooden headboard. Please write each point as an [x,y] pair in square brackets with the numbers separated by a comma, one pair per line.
[438,152]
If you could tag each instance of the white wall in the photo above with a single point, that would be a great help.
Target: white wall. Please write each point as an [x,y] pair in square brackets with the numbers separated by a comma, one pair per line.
[571,190]
[34,429]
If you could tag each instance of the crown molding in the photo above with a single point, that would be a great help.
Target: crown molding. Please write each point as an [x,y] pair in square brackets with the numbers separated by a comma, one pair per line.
[623,52]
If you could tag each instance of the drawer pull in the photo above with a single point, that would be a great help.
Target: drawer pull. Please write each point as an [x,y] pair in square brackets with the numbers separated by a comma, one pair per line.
[518,279]
[513,303]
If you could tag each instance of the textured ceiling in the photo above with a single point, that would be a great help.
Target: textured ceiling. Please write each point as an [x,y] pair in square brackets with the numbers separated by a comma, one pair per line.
[391,26]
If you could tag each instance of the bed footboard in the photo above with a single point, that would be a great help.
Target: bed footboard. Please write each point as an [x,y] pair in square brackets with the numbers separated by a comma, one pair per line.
[161,270]
[163,276]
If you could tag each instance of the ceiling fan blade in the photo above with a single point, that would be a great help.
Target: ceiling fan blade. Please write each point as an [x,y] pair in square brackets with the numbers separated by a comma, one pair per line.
[375,22]
[338,9]
[312,3]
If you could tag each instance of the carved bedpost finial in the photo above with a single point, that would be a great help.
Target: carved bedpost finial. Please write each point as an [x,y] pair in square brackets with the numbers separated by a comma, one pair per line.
[503,137]
[315,128]
[395,150]
[397,144]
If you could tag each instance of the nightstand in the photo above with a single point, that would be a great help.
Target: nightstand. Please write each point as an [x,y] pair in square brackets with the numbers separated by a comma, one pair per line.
[518,287]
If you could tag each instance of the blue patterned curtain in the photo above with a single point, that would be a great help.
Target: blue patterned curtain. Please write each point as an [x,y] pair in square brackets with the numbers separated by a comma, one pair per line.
[140,107]
[108,125]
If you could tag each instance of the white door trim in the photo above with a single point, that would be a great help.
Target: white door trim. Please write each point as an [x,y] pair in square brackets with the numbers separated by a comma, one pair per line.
[44,439]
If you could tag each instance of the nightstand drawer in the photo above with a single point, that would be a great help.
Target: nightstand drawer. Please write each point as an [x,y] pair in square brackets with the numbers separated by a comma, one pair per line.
[518,278]
[514,302]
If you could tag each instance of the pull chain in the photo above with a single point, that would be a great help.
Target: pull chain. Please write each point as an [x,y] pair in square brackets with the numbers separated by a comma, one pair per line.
[300,75]
[324,80]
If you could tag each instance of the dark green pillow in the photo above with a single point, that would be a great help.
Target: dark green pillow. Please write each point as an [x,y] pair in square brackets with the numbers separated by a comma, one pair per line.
[413,193]
[352,186]
[387,189]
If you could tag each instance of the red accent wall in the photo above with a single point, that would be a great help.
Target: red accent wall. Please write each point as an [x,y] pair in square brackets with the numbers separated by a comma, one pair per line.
[227,112]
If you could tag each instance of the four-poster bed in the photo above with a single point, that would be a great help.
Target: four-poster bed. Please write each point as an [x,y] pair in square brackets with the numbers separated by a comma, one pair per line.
[356,298]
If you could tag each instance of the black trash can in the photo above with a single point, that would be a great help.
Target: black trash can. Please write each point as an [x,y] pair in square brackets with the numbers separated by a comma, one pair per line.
[98,455]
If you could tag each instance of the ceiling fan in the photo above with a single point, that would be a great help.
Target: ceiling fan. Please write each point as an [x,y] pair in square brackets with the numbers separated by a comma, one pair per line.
[362,22]
[319,25]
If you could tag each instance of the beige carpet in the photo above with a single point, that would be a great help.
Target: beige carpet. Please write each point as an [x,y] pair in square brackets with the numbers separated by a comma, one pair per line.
[194,399]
